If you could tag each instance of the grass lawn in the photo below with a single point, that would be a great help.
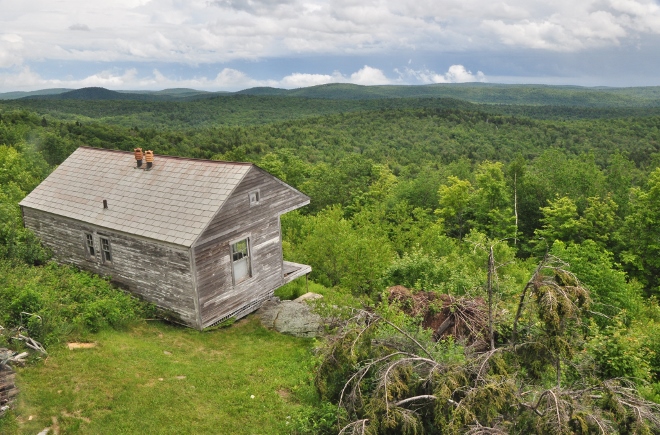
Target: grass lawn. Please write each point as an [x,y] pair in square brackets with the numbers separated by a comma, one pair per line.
[158,378]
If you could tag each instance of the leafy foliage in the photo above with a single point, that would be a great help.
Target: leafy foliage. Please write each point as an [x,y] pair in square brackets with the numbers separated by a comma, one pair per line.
[411,192]
[56,302]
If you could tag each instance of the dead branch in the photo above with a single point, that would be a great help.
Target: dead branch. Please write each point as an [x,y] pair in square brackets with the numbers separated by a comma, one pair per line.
[413,399]
[31,343]
[357,427]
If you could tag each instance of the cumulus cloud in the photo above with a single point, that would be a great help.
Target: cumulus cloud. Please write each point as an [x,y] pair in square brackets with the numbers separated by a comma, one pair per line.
[369,76]
[455,74]
[223,31]
[301,80]
[574,26]
[26,79]
[202,31]
[228,79]
[11,47]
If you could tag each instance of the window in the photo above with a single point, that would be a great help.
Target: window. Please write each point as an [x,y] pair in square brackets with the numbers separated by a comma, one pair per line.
[105,250]
[240,260]
[254,197]
[89,245]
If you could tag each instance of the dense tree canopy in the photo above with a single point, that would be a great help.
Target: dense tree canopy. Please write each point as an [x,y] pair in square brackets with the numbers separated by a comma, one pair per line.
[444,198]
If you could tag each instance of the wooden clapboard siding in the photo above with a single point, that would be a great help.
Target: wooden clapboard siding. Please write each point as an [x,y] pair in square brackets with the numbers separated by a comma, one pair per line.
[218,296]
[158,272]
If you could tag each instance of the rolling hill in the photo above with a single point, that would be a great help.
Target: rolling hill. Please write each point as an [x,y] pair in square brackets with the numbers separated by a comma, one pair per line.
[483,93]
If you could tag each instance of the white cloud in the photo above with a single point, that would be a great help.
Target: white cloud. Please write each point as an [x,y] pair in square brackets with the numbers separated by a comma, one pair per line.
[196,32]
[455,74]
[300,80]
[227,79]
[11,46]
[458,74]
[200,31]
[369,76]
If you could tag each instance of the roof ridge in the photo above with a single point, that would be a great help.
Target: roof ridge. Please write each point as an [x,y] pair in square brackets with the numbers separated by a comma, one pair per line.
[169,157]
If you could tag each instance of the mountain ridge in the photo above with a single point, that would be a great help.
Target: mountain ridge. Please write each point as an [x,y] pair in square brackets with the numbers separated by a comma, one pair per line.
[484,93]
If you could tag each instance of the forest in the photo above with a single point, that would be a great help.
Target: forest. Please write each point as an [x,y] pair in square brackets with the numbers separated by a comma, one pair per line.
[493,268]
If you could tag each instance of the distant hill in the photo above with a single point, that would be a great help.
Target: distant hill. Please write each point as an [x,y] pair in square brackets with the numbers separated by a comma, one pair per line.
[90,94]
[535,95]
[93,93]
[484,93]
[21,94]
[103,94]
[481,93]
[264,91]
[177,93]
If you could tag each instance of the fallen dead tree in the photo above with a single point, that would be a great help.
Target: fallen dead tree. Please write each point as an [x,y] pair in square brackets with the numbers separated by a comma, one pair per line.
[9,358]
[8,389]
[465,319]
[387,375]
[405,384]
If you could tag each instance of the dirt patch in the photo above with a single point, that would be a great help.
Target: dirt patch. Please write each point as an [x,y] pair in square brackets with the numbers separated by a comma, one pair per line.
[73,346]
[76,415]
[284,393]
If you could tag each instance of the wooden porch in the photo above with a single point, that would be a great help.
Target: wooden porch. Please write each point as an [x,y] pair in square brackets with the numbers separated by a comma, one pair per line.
[293,270]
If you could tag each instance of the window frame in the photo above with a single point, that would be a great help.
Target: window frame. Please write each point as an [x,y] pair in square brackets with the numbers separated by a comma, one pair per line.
[106,254]
[247,255]
[257,193]
[89,245]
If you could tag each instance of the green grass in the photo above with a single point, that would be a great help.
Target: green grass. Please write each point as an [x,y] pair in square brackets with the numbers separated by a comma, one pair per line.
[157,378]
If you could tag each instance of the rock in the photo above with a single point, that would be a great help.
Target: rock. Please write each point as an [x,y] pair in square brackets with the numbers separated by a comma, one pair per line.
[291,317]
[309,296]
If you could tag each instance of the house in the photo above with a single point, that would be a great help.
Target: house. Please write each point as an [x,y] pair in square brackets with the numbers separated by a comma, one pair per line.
[199,238]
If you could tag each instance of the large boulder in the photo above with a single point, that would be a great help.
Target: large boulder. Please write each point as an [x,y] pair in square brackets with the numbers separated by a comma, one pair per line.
[291,317]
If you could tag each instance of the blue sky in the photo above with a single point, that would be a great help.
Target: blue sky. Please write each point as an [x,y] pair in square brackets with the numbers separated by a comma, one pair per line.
[236,44]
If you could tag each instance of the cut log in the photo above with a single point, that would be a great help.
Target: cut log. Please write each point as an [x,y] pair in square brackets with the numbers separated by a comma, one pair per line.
[448,323]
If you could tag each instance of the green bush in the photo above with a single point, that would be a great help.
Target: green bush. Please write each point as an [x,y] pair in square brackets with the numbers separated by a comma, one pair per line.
[621,352]
[320,420]
[54,302]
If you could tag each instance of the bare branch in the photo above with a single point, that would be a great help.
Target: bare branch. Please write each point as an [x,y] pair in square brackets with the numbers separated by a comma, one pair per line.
[412,399]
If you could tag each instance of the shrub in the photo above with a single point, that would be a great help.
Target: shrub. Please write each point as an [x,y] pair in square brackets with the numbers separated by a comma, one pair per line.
[53,302]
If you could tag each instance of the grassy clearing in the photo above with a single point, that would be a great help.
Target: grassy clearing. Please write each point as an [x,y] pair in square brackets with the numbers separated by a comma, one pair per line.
[158,378]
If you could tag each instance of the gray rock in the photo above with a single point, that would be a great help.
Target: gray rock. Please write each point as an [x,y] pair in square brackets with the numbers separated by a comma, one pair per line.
[292,318]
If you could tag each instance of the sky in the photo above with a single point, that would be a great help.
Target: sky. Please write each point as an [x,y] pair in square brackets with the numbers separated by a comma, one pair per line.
[229,45]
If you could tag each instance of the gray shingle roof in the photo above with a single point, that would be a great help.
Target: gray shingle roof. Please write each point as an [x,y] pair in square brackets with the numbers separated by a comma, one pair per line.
[173,202]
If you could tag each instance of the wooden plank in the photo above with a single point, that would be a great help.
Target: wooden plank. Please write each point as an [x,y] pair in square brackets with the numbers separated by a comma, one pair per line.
[157,272]
[218,296]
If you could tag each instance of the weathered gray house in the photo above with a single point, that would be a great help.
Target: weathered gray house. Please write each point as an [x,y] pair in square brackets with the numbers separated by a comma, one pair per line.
[200,238]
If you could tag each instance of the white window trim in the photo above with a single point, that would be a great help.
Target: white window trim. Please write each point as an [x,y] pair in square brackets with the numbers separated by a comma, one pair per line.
[248,238]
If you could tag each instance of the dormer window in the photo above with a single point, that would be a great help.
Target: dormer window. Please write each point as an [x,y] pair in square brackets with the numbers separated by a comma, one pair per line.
[254,197]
